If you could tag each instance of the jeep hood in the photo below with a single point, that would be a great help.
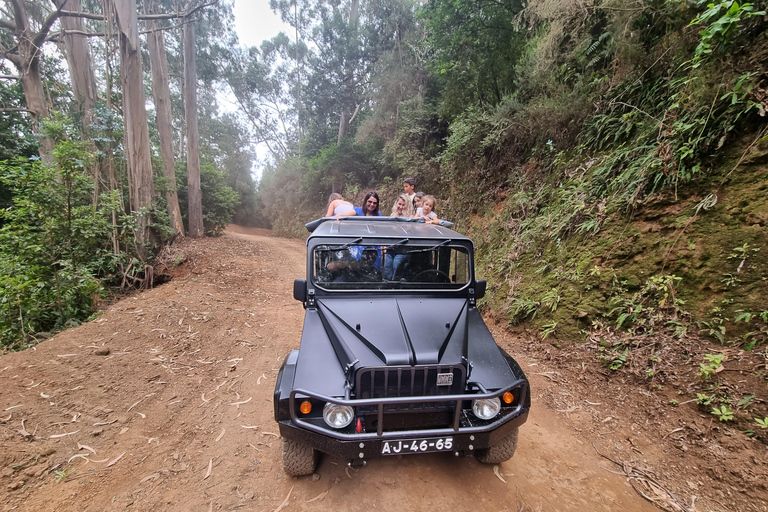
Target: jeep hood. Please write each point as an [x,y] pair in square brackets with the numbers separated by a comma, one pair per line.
[396,331]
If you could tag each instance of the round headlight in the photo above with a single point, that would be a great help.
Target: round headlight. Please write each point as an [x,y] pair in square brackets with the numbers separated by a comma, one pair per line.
[338,416]
[486,408]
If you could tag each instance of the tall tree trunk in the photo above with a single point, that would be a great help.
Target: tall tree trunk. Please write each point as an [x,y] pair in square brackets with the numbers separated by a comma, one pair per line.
[194,193]
[344,120]
[78,55]
[25,56]
[137,148]
[161,93]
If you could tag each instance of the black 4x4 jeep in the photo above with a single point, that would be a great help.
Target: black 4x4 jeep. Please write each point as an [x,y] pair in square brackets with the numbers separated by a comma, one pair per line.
[394,357]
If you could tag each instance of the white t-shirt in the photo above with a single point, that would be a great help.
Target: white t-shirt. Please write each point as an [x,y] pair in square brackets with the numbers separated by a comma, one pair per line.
[420,213]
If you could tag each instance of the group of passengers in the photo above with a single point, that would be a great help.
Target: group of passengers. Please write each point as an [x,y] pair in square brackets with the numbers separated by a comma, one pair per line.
[408,204]
[368,263]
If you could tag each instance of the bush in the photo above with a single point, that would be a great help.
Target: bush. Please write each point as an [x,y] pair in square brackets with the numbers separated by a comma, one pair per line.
[55,243]
[219,199]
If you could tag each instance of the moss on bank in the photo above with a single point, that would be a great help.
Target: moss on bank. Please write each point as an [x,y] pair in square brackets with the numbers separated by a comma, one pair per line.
[698,259]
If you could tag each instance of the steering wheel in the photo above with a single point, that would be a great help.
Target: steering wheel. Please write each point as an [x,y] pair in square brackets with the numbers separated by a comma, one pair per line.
[441,277]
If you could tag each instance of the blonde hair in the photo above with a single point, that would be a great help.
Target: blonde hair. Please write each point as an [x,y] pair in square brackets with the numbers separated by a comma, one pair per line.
[334,197]
[407,211]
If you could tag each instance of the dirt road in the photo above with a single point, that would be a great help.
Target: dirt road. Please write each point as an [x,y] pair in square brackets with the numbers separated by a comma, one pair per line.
[164,402]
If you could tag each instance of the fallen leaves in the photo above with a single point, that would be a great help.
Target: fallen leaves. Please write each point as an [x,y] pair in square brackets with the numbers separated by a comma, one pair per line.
[210,467]
[319,497]
[116,459]
[220,435]
[56,436]
[86,447]
[23,430]
[285,502]
[242,402]
[498,475]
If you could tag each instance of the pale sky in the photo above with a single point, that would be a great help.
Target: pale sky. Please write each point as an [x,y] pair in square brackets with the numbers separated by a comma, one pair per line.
[255,22]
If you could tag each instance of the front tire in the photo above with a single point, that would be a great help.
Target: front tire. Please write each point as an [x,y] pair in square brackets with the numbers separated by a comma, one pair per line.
[500,452]
[298,458]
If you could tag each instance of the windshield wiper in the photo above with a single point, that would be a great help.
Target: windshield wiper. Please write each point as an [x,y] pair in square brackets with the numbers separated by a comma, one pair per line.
[401,242]
[353,242]
[429,249]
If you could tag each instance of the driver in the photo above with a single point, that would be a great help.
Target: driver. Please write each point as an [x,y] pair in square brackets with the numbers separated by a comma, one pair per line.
[357,270]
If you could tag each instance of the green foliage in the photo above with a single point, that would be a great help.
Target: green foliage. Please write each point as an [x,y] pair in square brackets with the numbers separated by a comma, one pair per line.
[549,329]
[614,355]
[474,47]
[55,243]
[762,423]
[219,200]
[713,363]
[655,304]
[723,413]
[62,474]
[721,19]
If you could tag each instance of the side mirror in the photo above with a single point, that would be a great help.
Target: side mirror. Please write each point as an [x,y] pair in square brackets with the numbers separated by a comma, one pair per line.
[480,287]
[300,290]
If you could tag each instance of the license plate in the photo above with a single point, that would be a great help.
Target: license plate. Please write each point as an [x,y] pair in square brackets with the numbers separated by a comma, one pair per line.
[407,446]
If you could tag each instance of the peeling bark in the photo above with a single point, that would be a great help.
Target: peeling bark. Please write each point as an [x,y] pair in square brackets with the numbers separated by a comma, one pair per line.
[162,96]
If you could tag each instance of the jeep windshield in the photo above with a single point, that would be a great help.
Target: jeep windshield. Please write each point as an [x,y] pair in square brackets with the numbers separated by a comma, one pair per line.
[401,264]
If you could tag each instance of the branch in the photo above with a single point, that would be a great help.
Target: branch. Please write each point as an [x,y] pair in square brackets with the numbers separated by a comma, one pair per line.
[202,6]
[55,36]
[9,77]
[7,24]
[8,55]
[45,28]
[142,17]
[357,109]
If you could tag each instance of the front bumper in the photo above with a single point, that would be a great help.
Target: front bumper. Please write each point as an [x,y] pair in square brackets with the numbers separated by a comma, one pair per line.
[466,432]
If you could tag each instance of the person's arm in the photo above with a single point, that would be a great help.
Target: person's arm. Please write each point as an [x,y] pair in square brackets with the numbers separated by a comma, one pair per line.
[348,213]
[341,265]
[331,207]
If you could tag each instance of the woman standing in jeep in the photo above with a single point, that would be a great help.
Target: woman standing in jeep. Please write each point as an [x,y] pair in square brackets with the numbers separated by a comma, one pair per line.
[370,206]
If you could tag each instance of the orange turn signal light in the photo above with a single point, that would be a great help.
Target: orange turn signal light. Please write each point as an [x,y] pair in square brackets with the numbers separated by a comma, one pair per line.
[305,407]
[508,397]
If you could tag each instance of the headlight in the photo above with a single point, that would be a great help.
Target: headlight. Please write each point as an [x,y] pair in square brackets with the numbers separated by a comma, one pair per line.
[338,416]
[486,408]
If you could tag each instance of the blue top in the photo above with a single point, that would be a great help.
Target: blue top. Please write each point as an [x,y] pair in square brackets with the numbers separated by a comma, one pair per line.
[359,210]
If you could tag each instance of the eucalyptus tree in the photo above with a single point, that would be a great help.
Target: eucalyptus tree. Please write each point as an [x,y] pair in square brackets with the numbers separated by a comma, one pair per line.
[196,228]
[24,28]
[260,81]
[161,94]
[137,146]
[344,39]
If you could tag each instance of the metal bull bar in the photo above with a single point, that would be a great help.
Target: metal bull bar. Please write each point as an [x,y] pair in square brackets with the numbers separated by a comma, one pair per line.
[519,389]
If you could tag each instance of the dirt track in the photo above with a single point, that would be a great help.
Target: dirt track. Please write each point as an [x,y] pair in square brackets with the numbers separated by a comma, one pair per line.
[178,414]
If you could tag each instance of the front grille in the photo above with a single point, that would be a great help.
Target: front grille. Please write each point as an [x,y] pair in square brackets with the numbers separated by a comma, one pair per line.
[408,381]
[410,421]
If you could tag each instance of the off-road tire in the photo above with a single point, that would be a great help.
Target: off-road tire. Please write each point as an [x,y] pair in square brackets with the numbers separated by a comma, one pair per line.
[298,458]
[500,452]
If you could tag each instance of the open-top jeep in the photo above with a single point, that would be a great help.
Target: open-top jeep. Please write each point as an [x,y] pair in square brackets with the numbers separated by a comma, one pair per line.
[394,357]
